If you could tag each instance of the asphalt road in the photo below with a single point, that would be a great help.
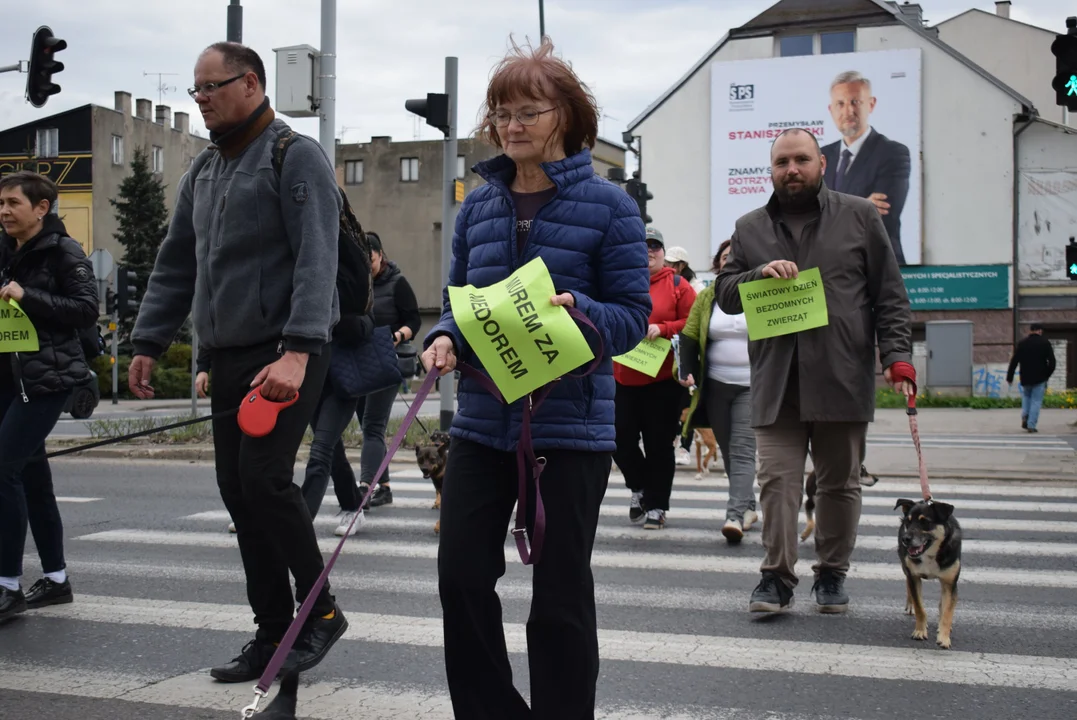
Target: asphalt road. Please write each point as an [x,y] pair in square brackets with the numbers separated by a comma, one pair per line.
[160,598]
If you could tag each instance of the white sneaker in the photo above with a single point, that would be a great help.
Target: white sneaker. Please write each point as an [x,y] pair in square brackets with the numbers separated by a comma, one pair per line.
[656,519]
[346,520]
[232,528]
[733,531]
[635,507]
[682,457]
[751,517]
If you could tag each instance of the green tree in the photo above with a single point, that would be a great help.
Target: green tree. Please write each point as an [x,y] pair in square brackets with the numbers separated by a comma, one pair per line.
[142,218]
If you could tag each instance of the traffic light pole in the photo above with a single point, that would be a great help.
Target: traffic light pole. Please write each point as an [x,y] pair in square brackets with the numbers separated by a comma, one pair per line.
[327,103]
[448,221]
[17,67]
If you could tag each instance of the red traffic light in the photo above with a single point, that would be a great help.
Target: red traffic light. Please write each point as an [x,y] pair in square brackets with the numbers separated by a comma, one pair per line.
[43,65]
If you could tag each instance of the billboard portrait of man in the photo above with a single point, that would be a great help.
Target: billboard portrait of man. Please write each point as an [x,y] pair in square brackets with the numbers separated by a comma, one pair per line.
[864,162]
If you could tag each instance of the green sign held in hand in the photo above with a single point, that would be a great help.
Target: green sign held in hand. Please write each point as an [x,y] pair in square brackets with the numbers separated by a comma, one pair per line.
[522,339]
[775,307]
[647,357]
[17,333]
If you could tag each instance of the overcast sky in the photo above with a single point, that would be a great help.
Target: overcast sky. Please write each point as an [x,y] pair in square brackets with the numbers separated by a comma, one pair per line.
[628,51]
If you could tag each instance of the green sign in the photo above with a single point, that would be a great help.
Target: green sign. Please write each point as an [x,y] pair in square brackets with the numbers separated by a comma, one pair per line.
[781,307]
[17,333]
[958,287]
[523,340]
[647,357]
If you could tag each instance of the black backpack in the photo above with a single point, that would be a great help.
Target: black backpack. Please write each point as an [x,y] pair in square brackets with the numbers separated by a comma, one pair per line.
[355,277]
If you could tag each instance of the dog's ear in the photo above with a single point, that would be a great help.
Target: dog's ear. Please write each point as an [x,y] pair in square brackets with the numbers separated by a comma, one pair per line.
[418,451]
[284,704]
[905,505]
[942,511]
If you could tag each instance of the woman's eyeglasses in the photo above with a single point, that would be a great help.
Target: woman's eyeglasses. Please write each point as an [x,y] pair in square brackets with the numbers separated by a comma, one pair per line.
[527,116]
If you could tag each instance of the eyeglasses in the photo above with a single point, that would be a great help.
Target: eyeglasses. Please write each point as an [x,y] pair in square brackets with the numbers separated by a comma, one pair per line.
[655,246]
[527,116]
[209,88]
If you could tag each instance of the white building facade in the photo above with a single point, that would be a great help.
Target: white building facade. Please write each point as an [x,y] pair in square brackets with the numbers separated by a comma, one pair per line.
[972,143]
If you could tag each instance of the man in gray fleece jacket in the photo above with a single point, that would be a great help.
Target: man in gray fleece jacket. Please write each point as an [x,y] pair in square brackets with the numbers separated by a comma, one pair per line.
[254,256]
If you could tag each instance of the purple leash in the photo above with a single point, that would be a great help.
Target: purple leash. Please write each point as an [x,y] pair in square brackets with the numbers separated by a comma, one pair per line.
[277,661]
[525,450]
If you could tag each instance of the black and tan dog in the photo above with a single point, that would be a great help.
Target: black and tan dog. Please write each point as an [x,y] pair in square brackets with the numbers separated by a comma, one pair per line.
[432,458]
[866,480]
[929,546]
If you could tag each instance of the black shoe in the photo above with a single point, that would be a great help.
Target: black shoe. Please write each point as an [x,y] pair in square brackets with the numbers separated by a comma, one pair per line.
[830,596]
[12,602]
[771,595]
[317,637]
[250,663]
[1033,430]
[1024,423]
[382,496]
[45,592]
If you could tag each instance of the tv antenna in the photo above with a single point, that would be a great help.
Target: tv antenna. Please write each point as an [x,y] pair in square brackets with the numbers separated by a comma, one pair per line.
[162,88]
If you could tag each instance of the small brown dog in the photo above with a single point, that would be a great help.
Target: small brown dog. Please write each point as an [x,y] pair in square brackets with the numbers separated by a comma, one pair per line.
[866,480]
[431,459]
[703,438]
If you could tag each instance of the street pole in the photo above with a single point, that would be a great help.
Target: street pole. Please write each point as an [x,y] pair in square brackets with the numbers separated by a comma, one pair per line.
[17,67]
[194,369]
[328,77]
[115,348]
[542,22]
[448,220]
[235,22]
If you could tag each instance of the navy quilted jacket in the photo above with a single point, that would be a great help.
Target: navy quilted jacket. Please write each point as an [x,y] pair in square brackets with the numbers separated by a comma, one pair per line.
[591,238]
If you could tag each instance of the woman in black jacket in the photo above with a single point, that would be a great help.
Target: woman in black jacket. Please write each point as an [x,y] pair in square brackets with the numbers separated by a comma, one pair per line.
[48,275]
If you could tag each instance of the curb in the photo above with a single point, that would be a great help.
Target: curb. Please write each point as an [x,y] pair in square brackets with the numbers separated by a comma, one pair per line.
[204,453]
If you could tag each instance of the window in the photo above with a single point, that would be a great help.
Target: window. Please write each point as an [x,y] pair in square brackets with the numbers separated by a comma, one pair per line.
[836,42]
[461,167]
[117,150]
[353,172]
[793,45]
[158,159]
[409,169]
[48,143]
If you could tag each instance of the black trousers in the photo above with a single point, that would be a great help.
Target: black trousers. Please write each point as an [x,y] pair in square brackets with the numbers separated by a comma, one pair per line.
[273,525]
[477,502]
[651,412]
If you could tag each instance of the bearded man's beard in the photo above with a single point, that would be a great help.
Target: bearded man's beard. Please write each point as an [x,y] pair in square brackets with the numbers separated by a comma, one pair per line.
[799,199]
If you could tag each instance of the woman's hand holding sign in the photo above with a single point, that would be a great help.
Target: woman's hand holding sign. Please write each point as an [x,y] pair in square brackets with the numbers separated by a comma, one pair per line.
[566,299]
[781,269]
[11,291]
[440,355]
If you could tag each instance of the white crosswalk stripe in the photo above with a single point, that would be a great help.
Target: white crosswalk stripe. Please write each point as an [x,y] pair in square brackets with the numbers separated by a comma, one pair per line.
[674,599]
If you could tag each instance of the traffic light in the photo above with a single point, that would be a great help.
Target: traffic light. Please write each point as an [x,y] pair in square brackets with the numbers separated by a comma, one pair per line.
[43,65]
[1071,260]
[637,190]
[435,108]
[110,302]
[1064,48]
[126,304]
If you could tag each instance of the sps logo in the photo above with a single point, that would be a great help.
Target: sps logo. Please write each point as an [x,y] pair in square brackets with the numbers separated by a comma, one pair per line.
[740,93]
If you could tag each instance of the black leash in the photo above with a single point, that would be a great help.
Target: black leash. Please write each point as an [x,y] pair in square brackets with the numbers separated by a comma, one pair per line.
[123,438]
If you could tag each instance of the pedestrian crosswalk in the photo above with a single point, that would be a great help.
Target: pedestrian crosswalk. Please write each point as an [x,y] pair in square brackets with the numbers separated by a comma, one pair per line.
[160,598]
[1026,443]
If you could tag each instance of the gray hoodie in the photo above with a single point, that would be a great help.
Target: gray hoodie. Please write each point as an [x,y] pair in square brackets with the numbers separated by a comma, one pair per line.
[254,256]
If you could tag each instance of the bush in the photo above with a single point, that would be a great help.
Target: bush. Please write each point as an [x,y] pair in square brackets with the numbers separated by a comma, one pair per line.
[171,379]
[886,398]
[177,356]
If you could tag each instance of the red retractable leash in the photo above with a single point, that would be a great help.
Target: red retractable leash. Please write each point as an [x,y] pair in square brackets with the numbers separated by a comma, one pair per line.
[904,371]
[258,414]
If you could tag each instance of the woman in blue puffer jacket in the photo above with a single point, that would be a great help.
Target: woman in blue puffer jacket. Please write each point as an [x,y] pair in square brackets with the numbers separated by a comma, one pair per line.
[542,199]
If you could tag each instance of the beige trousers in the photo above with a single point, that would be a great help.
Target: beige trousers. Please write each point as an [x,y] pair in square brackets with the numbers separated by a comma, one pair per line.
[836,449]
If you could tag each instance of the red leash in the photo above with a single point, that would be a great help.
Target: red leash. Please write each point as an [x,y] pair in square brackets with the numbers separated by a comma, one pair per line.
[904,371]
[277,661]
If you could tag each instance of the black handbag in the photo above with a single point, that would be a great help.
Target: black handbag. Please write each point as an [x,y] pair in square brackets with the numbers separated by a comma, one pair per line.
[365,368]
[407,359]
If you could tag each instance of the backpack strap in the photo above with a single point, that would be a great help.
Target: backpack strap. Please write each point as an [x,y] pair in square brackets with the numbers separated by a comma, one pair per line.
[676,280]
[280,149]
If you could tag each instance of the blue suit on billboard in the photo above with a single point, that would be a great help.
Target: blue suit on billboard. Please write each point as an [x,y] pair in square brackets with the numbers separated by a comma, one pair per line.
[881,165]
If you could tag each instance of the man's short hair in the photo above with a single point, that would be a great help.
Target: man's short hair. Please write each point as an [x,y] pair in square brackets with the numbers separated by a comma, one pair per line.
[790,131]
[1036,327]
[850,76]
[240,58]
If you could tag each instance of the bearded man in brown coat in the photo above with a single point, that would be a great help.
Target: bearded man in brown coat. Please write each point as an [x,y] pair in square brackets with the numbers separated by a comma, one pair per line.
[816,387]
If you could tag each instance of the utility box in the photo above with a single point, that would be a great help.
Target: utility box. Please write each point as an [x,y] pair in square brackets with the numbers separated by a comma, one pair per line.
[297,82]
[949,356]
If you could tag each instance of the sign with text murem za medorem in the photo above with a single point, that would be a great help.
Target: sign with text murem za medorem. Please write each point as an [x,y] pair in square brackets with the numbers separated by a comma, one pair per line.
[958,287]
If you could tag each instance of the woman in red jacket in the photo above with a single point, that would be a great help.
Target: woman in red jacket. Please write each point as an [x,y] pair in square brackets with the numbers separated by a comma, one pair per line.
[650,407]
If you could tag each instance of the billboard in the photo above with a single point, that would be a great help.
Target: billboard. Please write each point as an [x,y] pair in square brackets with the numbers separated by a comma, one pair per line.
[1047,209]
[866,103]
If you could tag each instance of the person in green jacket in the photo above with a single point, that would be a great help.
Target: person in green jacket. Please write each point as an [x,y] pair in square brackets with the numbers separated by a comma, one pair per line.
[714,348]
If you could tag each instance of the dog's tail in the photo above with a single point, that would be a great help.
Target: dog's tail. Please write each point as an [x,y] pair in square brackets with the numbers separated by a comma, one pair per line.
[809,506]
[284,704]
